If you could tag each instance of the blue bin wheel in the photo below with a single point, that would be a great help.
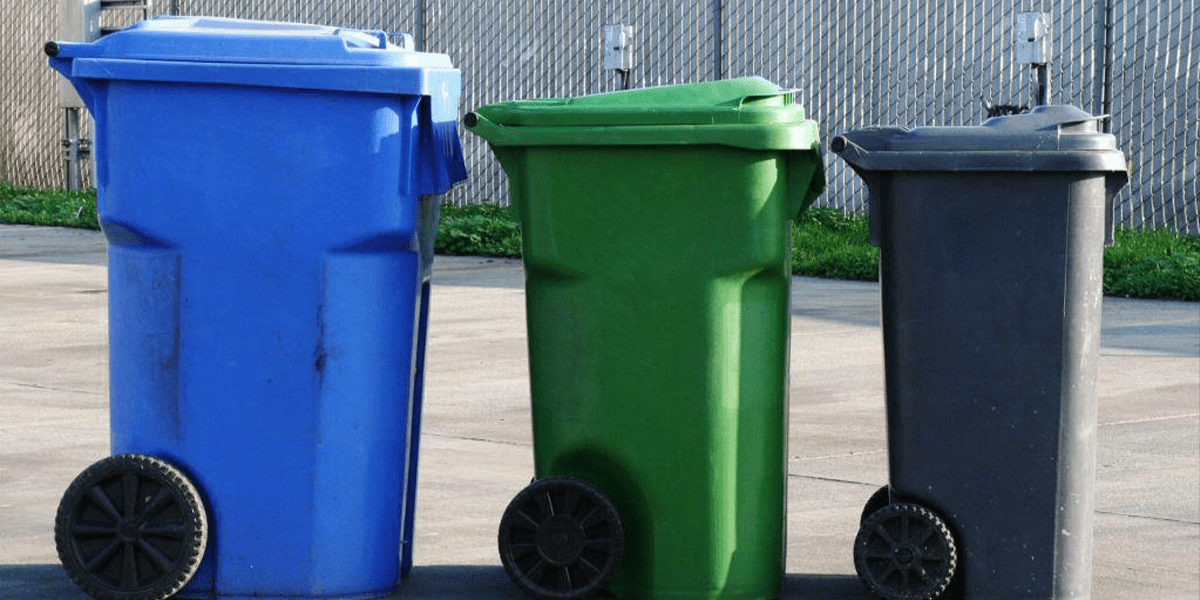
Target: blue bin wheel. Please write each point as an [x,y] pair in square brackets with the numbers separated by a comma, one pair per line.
[131,527]
[881,498]
[905,552]
[561,539]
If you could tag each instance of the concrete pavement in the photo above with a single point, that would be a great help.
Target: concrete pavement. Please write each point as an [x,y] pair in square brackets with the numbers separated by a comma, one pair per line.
[476,451]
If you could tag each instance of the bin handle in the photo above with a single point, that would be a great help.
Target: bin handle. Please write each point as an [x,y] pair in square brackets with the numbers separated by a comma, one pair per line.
[1090,118]
[858,157]
[861,161]
[483,127]
[350,36]
[805,180]
[788,98]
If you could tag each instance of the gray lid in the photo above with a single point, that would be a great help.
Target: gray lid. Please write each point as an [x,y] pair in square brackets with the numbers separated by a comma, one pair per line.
[1048,138]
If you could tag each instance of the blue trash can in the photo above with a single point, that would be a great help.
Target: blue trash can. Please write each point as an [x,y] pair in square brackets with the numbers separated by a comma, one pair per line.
[268,193]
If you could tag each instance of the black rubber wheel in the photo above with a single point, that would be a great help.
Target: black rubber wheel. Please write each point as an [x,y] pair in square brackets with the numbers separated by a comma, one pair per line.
[881,498]
[131,527]
[905,552]
[561,539]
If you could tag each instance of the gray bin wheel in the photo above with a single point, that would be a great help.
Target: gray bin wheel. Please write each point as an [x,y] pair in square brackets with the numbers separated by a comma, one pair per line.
[131,527]
[905,552]
[561,539]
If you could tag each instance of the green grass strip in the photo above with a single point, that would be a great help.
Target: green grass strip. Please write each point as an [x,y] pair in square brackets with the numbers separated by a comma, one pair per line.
[826,243]
[1153,264]
[478,230]
[48,207]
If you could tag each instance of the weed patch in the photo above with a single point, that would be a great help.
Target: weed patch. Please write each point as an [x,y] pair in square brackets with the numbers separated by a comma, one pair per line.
[48,207]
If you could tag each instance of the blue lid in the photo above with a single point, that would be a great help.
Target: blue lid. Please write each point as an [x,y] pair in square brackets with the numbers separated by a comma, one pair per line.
[209,39]
[265,53]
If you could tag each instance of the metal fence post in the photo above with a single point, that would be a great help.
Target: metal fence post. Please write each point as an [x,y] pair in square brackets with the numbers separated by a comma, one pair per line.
[420,27]
[78,21]
[718,24]
[1102,66]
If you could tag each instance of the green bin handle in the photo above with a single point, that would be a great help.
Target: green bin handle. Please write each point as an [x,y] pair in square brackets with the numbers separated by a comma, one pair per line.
[484,128]
[805,179]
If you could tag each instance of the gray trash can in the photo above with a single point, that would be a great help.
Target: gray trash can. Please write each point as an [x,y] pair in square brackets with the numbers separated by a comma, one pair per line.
[991,242]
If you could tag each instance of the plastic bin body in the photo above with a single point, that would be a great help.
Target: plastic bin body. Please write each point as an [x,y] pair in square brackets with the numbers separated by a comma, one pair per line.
[267,284]
[991,275]
[657,280]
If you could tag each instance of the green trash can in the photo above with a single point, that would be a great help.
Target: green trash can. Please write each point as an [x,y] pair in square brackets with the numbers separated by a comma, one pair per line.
[656,243]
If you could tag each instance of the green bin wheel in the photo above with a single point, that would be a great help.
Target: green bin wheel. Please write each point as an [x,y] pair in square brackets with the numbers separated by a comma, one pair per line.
[881,498]
[561,539]
[131,527]
[905,552]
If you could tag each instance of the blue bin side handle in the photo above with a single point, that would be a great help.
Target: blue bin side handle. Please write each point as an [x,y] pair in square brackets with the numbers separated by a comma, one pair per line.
[440,160]
[62,58]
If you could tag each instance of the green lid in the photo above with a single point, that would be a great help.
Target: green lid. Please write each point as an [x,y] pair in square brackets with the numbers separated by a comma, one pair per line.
[750,112]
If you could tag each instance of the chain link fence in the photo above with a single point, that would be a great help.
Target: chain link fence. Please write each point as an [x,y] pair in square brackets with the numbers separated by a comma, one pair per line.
[855,63]
[31,124]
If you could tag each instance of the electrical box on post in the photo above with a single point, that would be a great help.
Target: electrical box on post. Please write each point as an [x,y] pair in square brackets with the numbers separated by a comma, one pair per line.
[618,47]
[78,21]
[1033,38]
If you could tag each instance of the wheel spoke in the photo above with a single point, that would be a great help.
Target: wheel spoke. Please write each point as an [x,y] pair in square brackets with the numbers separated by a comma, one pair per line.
[160,560]
[882,577]
[877,555]
[129,574]
[571,502]
[904,580]
[929,531]
[175,531]
[522,548]
[597,543]
[101,560]
[591,518]
[129,487]
[92,529]
[587,563]
[97,495]
[904,527]
[566,576]
[156,503]
[882,532]
[535,572]
[533,523]
[548,505]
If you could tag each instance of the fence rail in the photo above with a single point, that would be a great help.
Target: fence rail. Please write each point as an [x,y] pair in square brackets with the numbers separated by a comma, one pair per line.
[854,62]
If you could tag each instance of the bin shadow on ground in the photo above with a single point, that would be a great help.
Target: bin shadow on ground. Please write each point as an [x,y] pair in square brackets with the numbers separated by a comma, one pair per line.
[480,581]
[483,581]
[444,582]
[479,271]
[52,245]
[1155,327]
[800,586]
[37,582]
